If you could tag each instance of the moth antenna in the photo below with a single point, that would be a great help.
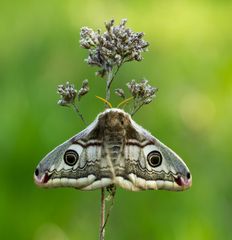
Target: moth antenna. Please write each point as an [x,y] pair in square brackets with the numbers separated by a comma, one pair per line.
[105,101]
[124,101]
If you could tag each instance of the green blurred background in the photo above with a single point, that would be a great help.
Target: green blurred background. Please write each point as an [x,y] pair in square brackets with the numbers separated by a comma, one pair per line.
[189,59]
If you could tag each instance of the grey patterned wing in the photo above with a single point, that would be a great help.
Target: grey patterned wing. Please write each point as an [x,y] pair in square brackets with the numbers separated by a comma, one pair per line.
[149,164]
[78,162]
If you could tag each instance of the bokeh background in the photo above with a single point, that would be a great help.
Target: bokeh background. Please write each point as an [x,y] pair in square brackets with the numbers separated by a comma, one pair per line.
[189,59]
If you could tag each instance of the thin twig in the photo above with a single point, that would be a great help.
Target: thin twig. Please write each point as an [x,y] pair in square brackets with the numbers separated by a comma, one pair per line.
[79,113]
[102,220]
[112,196]
[110,78]
[108,84]
[135,110]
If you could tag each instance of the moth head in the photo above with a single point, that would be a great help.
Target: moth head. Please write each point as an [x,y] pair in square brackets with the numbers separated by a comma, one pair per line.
[56,165]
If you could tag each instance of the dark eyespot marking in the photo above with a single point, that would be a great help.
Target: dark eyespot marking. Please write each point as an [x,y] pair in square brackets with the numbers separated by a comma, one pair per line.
[71,157]
[154,158]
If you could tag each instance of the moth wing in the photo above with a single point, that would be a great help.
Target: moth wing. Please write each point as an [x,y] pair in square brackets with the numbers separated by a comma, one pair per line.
[91,171]
[136,173]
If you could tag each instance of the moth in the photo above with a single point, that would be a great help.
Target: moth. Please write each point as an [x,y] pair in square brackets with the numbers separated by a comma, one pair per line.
[113,150]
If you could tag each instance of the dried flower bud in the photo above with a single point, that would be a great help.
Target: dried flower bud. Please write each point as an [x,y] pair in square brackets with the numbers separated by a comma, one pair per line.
[109,25]
[131,86]
[147,101]
[142,91]
[120,92]
[89,38]
[101,73]
[67,93]
[84,89]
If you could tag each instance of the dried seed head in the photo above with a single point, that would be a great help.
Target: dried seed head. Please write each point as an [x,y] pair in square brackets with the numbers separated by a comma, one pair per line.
[120,92]
[67,94]
[84,89]
[115,46]
[142,91]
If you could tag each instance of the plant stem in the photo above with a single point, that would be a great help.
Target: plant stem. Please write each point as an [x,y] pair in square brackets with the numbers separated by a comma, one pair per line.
[136,109]
[108,84]
[79,113]
[102,220]
[110,77]
[112,192]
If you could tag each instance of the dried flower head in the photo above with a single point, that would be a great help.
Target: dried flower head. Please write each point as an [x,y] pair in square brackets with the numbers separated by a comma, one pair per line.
[120,92]
[84,89]
[117,45]
[142,91]
[67,94]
